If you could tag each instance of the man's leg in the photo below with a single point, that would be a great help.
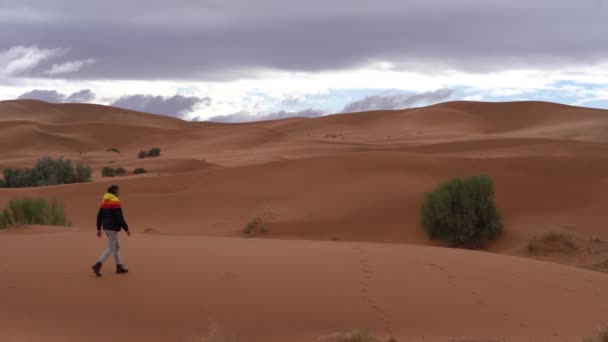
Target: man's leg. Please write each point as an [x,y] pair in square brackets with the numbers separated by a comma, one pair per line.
[116,249]
[104,256]
[119,266]
[109,249]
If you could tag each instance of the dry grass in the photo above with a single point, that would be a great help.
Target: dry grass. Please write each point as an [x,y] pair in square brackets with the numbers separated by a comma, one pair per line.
[357,335]
[255,227]
[552,242]
[33,211]
[600,336]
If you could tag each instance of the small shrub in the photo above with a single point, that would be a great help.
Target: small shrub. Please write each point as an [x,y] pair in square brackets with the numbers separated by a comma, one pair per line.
[462,212]
[108,172]
[2,185]
[30,211]
[113,150]
[142,154]
[600,336]
[139,171]
[121,171]
[552,242]
[255,226]
[154,152]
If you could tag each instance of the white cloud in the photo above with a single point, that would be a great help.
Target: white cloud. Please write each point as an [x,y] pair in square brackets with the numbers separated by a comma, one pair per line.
[593,95]
[69,67]
[271,91]
[20,59]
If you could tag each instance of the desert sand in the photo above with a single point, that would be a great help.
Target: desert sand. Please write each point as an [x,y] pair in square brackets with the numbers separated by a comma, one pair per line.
[340,198]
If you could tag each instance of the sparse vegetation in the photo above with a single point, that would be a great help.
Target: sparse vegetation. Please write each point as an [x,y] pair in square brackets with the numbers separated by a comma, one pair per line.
[357,335]
[121,171]
[113,150]
[462,212]
[108,172]
[153,152]
[255,227]
[139,171]
[552,242]
[111,172]
[30,211]
[47,171]
[600,336]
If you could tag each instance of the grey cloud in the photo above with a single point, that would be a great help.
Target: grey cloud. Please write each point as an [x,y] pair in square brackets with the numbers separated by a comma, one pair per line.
[84,95]
[228,39]
[398,101]
[246,117]
[291,101]
[177,105]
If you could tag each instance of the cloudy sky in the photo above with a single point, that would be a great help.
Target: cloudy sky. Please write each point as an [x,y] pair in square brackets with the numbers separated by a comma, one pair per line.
[239,60]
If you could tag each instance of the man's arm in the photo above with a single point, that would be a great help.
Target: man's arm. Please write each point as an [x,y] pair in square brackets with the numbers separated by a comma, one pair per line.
[99,219]
[121,220]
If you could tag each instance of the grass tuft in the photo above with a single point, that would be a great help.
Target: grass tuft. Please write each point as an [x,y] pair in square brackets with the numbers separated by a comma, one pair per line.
[33,211]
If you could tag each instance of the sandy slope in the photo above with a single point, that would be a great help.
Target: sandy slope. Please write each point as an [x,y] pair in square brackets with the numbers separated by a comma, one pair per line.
[358,177]
[270,290]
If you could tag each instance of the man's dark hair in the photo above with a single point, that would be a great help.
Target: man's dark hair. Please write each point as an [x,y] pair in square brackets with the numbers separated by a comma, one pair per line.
[113,188]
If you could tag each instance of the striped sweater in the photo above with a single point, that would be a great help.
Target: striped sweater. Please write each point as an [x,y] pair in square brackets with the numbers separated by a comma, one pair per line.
[110,214]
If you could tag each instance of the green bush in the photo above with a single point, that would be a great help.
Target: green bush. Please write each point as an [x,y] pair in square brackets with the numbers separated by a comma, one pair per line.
[2,184]
[139,171]
[121,171]
[30,211]
[108,172]
[47,171]
[462,212]
[154,152]
[83,172]
[142,154]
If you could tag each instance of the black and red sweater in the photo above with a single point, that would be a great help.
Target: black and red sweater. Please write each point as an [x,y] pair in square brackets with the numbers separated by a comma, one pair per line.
[110,214]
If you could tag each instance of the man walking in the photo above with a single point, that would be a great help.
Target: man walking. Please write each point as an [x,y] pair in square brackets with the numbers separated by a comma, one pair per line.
[111,219]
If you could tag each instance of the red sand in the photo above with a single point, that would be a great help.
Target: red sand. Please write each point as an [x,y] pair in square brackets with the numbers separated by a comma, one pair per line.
[356,178]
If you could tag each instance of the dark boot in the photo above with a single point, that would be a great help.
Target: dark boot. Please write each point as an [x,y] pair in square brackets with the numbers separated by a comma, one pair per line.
[97,268]
[121,269]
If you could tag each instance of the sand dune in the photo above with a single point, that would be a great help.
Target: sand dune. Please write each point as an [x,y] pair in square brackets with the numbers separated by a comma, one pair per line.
[265,290]
[357,179]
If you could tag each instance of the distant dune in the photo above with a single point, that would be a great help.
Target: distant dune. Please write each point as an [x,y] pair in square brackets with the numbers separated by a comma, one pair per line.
[347,187]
